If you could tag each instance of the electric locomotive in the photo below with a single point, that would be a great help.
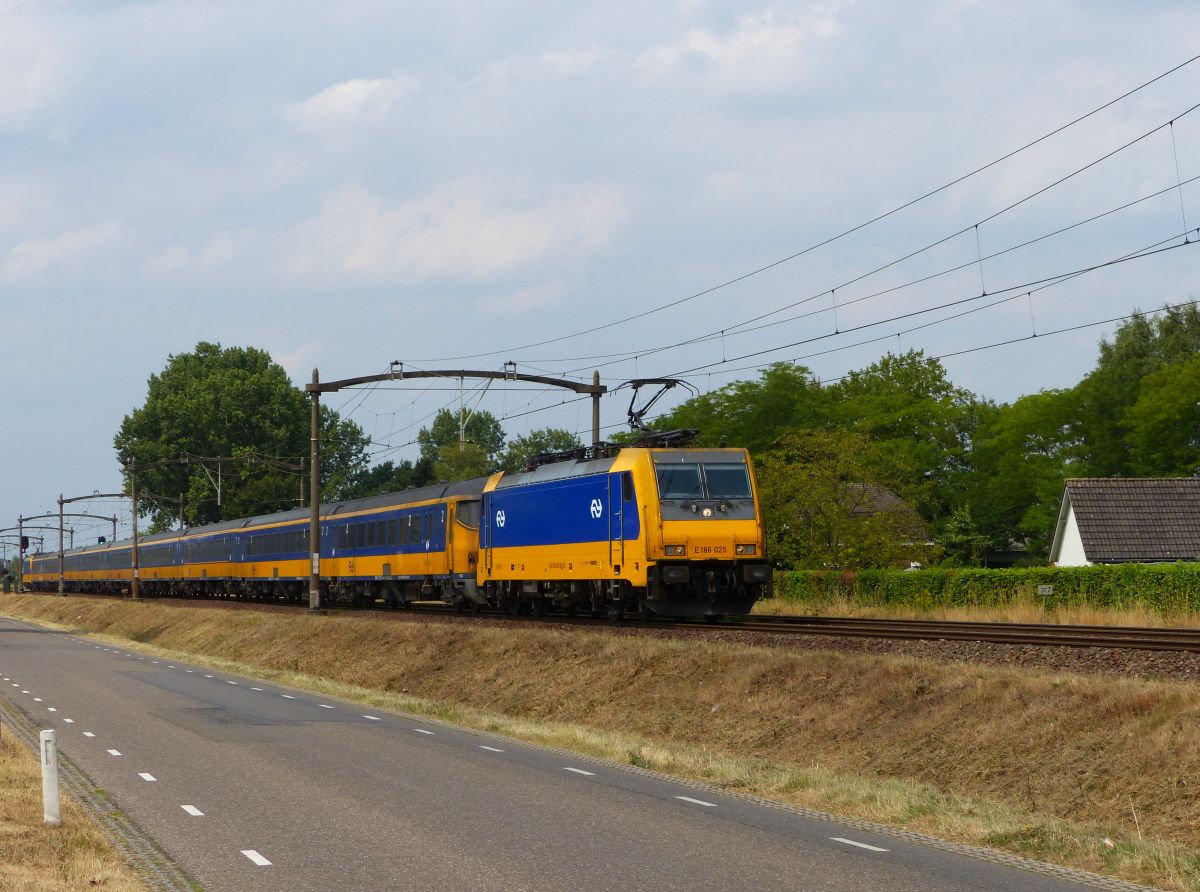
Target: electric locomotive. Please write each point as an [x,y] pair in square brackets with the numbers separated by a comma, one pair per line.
[608,530]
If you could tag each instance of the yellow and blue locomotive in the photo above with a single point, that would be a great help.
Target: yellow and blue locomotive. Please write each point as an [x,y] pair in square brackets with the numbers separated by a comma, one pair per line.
[610,530]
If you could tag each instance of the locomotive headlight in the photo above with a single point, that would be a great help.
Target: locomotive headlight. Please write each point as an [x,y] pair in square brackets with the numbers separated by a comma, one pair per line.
[745,549]
[675,551]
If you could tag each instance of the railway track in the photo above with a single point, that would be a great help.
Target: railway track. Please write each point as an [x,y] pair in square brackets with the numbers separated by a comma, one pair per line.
[1043,634]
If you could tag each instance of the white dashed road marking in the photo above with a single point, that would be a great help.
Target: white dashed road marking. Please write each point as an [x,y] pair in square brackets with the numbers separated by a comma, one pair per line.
[287,696]
[490,749]
[230,682]
[256,689]
[51,709]
[580,771]
[37,699]
[146,777]
[373,718]
[697,801]
[114,752]
[324,706]
[69,721]
[193,811]
[256,858]
[208,676]
[861,845]
[423,731]
[88,734]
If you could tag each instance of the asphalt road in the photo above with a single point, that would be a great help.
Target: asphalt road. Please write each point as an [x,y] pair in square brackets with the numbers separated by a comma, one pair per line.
[252,786]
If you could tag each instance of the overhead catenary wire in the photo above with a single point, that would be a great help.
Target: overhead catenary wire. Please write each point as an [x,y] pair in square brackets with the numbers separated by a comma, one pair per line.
[843,234]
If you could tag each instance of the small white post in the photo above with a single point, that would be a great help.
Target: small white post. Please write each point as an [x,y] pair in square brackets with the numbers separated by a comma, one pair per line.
[51,808]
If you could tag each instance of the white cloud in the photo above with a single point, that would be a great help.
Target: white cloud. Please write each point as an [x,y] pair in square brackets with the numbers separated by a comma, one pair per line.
[218,252]
[33,68]
[31,260]
[523,300]
[455,234]
[762,51]
[352,102]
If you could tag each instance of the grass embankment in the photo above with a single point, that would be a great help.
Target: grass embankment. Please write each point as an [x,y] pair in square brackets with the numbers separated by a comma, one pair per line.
[1021,609]
[1044,765]
[37,858]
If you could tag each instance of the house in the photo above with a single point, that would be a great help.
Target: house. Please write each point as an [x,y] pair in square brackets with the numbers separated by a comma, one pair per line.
[1127,520]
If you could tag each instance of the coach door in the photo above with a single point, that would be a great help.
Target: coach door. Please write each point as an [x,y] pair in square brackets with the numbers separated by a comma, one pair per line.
[615,511]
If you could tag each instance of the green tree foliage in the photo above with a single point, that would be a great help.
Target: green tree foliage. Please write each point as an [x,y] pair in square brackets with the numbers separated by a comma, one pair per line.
[483,430]
[462,461]
[817,495]
[389,477]
[915,418]
[549,439]
[962,542]
[1163,426]
[222,402]
[754,414]
[1023,452]
[1140,348]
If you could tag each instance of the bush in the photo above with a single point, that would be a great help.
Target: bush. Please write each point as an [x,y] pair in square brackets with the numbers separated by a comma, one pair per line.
[1165,588]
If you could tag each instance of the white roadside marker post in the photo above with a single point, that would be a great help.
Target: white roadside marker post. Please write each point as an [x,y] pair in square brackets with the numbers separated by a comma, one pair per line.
[51,808]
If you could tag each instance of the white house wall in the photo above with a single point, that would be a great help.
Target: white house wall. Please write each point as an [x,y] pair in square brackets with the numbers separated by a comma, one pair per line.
[1071,553]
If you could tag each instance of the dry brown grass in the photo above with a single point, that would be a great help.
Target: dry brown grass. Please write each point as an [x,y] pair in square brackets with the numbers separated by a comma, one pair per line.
[1023,611]
[1047,765]
[36,858]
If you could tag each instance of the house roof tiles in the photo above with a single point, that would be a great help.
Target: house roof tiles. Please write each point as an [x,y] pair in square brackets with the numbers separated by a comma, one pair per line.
[1137,519]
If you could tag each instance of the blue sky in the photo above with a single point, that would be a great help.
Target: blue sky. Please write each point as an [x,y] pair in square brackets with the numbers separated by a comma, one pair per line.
[347,184]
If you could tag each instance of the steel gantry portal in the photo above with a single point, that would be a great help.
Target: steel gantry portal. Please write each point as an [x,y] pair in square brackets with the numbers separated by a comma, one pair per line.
[398,373]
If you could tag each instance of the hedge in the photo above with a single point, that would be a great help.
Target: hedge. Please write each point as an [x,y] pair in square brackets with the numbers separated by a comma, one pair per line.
[1166,588]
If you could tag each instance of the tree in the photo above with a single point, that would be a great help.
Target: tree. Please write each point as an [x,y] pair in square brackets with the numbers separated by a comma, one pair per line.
[907,406]
[482,429]
[1023,453]
[1163,426]
[815,488]
[1139,348]
[754,414]
[964,545]
[462,461]
[226,402]
[388,477]
[534,443]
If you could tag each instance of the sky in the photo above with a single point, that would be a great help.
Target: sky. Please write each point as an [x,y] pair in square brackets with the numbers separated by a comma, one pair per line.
[458,185]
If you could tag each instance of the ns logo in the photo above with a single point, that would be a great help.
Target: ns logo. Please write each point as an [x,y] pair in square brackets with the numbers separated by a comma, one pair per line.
[597,508]
[499,518]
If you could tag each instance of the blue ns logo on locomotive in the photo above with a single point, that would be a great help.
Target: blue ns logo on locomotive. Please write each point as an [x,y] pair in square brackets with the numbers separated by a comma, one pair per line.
[560,512]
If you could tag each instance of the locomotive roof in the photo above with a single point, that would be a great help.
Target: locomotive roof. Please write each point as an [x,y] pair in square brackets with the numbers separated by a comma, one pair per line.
[561,470]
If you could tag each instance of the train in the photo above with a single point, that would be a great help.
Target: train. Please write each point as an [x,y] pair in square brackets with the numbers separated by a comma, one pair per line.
[610,531]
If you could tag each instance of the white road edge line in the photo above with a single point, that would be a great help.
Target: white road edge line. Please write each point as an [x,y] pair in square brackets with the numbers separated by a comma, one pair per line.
[193,811]
[861,845]
[697,801]
[579,771]
[490,749]
[256,858]
[146,777]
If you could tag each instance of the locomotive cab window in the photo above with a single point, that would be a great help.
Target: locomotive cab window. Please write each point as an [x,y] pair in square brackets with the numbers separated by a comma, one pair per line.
[679,482]
[727,481]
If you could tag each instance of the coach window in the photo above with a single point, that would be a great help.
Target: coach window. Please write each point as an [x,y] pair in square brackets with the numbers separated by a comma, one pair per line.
[391,534]
[360,540]
[414,529]
[371,535]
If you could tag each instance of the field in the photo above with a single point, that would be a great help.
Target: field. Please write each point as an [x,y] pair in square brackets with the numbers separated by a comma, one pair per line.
[1085,770]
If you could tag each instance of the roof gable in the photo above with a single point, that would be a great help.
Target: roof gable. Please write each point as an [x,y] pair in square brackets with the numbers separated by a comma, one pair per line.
[1137,519]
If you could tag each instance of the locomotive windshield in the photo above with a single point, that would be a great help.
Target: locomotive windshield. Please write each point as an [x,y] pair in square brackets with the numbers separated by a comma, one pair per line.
[468,514]
[707,480]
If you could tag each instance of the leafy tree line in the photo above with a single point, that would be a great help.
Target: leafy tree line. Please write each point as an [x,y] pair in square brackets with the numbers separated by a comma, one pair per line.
[981,474]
